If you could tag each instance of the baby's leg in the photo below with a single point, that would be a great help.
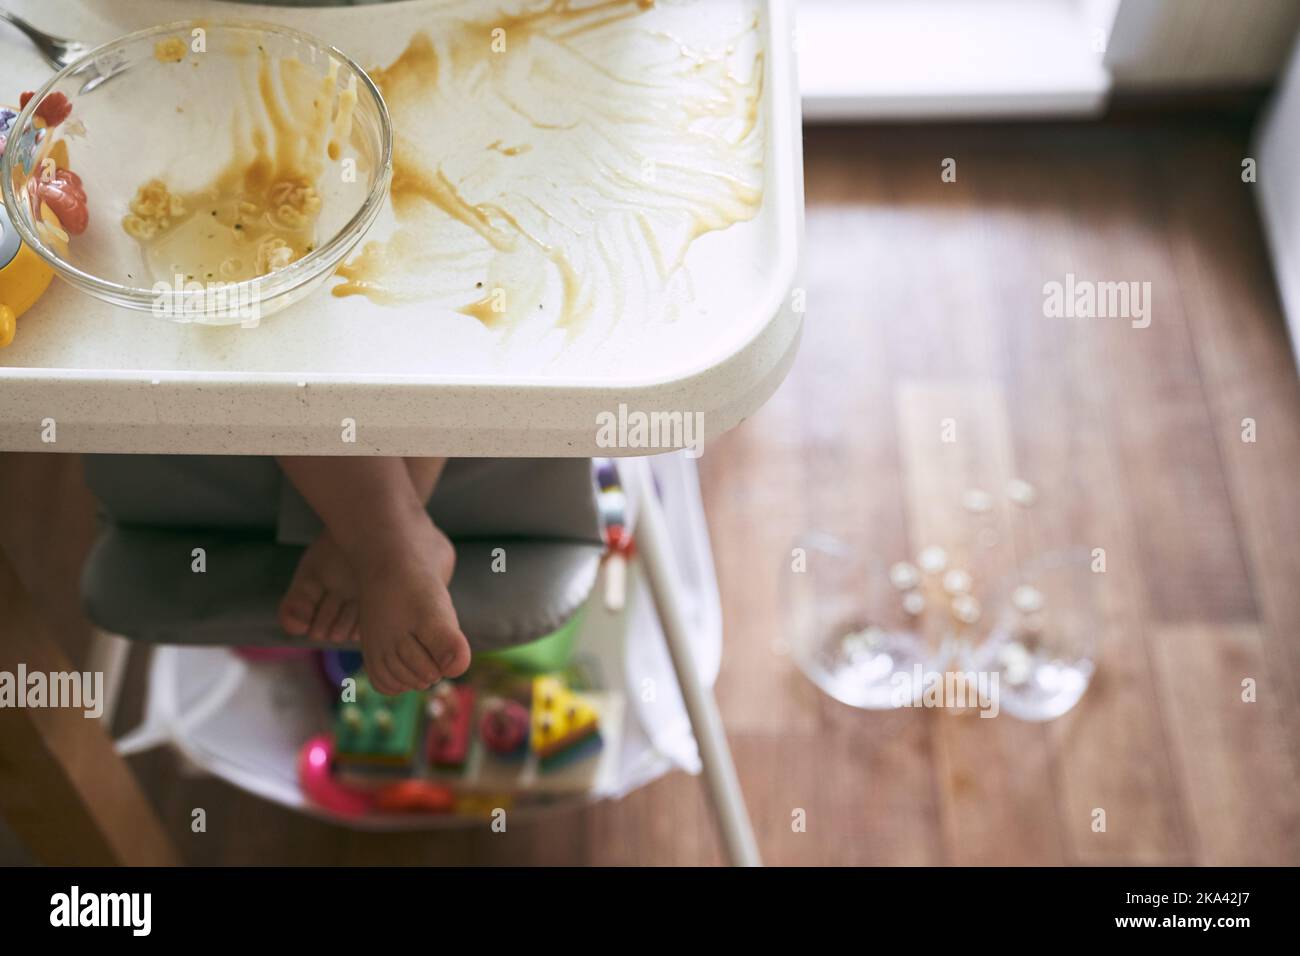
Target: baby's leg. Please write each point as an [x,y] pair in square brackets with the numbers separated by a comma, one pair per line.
[321,601]
[374,513]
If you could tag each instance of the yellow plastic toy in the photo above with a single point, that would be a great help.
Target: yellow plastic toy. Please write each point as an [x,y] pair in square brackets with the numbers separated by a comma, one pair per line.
[24,277]
[563,723]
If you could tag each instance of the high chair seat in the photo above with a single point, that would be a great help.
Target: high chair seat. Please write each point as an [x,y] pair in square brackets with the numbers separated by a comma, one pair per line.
[527,536]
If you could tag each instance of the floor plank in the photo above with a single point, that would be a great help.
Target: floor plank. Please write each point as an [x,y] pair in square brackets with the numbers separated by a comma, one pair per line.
[1239,775]
[1242,351]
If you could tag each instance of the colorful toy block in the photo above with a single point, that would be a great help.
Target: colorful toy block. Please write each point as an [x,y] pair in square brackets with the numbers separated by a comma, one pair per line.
[415,796]
[504,727]
[336,666]
[564,724]
[451,712]
[378,732]
[606,473]
[483,804]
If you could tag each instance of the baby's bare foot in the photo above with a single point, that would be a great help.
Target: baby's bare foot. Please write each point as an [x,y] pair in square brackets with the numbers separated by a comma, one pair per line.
[321,602]
[410,637]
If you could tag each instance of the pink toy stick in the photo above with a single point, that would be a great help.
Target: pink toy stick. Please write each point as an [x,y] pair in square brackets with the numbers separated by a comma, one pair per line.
[316,776]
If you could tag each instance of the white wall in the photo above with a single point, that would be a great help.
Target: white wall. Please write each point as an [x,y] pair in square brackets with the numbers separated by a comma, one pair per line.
[1204,44]
[922,59]
[1277,150]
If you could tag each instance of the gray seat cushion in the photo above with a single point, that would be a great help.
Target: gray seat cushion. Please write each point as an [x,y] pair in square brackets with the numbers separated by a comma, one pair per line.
[139,580]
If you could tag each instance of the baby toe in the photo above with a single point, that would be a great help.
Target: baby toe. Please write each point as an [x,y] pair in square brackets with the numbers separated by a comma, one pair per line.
[449,650]
[327,612]
[402,676]
[380,679]
[345,624]
[294,614]
[418,662]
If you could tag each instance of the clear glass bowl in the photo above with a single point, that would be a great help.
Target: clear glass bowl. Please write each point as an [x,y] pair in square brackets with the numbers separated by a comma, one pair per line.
[848,629]
[138,113]
[1043,641]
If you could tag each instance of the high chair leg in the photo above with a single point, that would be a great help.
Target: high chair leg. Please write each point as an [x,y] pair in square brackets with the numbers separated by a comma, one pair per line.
[63,789]
[108,654]
[719,771]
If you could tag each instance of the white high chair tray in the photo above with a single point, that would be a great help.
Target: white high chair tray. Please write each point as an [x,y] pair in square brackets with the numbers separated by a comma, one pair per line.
[714,336]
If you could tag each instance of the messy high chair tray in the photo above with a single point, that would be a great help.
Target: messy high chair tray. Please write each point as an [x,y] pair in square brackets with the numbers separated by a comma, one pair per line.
[594,206]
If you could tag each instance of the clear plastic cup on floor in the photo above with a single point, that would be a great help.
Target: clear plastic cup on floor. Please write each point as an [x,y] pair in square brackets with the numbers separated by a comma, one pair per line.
[1043,640]
[849,630]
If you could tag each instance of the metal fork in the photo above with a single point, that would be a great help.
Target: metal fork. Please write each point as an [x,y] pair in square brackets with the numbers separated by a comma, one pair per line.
[57,51]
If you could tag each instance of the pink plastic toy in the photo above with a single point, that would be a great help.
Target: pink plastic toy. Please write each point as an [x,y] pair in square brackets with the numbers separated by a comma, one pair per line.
[316,776]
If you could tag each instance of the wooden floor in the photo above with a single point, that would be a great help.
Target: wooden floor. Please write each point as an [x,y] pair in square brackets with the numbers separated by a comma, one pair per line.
[925,303]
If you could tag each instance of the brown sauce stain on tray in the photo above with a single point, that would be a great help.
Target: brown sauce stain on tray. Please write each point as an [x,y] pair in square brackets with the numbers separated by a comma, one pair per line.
[260,212]
[558,162]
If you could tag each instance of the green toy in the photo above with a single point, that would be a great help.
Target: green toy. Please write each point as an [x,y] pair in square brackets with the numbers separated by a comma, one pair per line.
[378,732]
